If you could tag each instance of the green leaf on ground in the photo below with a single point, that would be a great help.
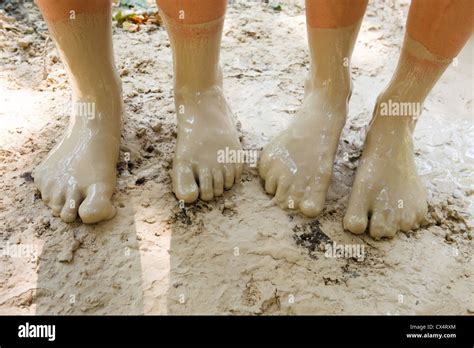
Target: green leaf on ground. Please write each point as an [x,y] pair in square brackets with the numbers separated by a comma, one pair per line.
[134,3]
[276,7]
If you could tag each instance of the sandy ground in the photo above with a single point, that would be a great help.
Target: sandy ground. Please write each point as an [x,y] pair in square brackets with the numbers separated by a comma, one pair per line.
[240,254]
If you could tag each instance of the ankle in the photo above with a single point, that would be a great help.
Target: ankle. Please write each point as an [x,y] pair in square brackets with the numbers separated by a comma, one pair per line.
[396,111]
[392,127]
[338,84]
[107,82]
[197,79]
[195,93]
[331,92]
[99,106]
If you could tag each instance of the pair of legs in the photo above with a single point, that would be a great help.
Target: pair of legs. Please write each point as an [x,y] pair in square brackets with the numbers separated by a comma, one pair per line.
[297,164]
[78,176]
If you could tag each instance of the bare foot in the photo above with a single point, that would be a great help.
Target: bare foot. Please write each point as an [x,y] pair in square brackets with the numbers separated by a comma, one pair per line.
[78,176]
[205,127]
[386,186]
[297,164]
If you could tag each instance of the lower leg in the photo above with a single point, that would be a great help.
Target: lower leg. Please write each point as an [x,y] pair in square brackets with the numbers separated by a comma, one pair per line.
[78,175]
[60,9]
[297,164]
[205,122]
[387,185]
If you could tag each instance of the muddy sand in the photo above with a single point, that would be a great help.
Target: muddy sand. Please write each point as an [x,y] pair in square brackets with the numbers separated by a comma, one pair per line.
[240,254]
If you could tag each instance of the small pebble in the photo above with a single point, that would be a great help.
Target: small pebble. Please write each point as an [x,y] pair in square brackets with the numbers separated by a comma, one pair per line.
[229,205]
[157,127]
